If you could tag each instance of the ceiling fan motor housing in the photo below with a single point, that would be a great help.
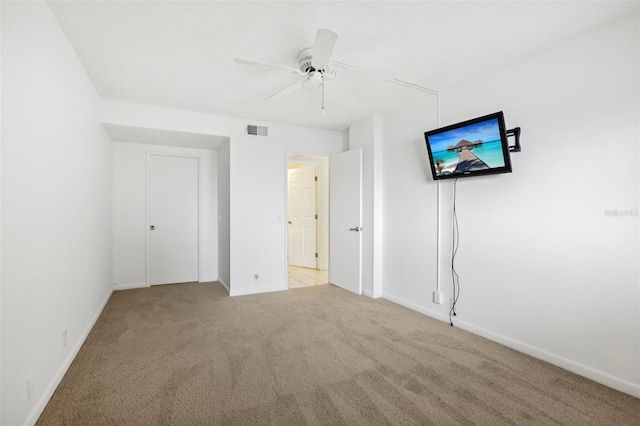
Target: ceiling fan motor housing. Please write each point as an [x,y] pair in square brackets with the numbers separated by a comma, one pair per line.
[304,61]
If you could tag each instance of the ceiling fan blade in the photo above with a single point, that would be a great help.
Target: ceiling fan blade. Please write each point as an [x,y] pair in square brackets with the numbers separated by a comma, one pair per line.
[323,47]
[287,90]
[264,64]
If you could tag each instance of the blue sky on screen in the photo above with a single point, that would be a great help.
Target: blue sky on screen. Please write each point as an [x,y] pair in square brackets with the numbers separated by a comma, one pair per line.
[485,131]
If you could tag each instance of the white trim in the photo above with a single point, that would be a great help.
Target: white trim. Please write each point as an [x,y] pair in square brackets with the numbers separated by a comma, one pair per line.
[118,287]
[557,360]
[48,392]
[371,294]
[413,306]
[322,196]
[565,363]
[247,292]
[225,285]
[207,279]
[285,222]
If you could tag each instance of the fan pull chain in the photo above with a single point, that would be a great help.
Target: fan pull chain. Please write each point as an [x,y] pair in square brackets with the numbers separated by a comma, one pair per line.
[322,84]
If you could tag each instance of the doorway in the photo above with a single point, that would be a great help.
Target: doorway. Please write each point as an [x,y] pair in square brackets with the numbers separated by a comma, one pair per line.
[345,270]
[308,211]
[302,250]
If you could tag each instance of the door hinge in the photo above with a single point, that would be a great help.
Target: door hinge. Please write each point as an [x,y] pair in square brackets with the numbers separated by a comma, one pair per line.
[316,254]
[316,217]
[316,178]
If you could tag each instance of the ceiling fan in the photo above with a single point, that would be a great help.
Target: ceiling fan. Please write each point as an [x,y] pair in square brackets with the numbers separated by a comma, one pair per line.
[313,65]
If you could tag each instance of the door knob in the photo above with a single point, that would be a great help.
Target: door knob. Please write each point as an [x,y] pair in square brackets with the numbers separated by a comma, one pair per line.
[152,227]
[289,222]
[357,229]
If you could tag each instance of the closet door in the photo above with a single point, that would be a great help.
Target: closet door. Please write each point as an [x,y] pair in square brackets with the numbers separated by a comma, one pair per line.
[172,220]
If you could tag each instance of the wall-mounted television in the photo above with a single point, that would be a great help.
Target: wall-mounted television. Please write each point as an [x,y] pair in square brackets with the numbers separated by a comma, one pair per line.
[471,148]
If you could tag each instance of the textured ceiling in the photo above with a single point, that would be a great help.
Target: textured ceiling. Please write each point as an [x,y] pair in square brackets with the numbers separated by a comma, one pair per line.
[180,54]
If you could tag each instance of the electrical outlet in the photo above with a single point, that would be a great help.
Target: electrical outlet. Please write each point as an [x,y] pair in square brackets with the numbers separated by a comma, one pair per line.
[64,338]
[438,297]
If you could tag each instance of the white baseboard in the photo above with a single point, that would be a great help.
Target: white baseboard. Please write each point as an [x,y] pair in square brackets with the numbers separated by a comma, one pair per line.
[129,286]
[575,367]
[119,287]
[567,364]
[415,307]
[262,290]
[226,287]
[48,392]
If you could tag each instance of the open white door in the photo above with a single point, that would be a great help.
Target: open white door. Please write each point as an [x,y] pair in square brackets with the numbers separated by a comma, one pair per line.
[173,220]
[301,240]
[345,220]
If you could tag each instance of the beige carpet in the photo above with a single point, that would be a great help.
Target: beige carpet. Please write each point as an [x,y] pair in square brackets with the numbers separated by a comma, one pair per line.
[188,354]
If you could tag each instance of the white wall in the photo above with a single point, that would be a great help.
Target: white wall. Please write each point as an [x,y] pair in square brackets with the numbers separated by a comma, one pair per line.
[257,181]
[224,218]
[258,215]
[410,209]
[258,203]
[129,212]
[542,268]
[56,208]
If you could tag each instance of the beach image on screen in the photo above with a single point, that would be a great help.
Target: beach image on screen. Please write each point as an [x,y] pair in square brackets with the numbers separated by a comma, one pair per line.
[467,149]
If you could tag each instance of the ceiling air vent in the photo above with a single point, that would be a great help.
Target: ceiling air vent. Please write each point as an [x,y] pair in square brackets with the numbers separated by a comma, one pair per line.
[256,130]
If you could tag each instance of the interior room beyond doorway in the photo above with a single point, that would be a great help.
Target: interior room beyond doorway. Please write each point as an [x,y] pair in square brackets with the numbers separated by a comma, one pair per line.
[299,277]
[307,221]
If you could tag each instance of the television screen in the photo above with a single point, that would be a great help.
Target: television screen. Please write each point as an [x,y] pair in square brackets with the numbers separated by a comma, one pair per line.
[470,148]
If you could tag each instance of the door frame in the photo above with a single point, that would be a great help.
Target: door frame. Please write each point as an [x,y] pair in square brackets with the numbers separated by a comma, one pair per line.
[147,222]
[322,205]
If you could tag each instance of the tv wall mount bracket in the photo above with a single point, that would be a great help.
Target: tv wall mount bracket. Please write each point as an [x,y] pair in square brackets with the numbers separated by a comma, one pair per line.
[515,132]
